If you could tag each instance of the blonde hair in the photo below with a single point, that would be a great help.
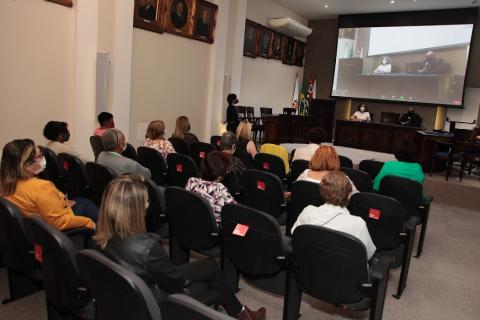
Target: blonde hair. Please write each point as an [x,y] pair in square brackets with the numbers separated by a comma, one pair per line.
[244,130]
[155,130]
[122,212]
[182,126]
[325,158]
[16,156]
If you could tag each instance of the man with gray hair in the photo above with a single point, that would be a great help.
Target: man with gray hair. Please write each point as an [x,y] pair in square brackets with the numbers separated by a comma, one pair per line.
[114,144]
[228,143]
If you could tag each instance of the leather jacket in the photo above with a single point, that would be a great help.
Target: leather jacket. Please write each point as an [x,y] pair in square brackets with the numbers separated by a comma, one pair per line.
[144,255]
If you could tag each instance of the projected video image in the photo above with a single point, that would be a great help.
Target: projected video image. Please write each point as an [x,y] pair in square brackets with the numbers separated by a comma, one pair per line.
[425,64]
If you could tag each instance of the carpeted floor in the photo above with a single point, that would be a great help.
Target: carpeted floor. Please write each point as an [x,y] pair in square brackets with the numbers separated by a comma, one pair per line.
[443,284]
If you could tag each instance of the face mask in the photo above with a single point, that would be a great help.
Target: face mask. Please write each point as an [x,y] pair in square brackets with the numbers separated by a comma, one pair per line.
[43,165]
[236,101]
[362,109]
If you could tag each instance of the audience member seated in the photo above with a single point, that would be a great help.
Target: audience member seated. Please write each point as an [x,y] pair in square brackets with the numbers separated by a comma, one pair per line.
[113,141]
[122,236]
[228,144]
[405,166]
[182,130]
[315,136]
[245,136]
[411,118]
[323,161]
[21,162]
[57,132]
[336,190]
[105,119]
[213,168]
[361,114]
[155,138]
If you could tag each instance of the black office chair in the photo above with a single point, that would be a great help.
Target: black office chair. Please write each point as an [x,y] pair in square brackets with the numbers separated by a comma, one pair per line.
[199,151]
[345,162]
[97,145]
[392,234]
[67,295]
[410,194]
[270,163]
[153,160]
[216,141]
[99,177]
[298,166]
[180,169]
[232,182]
[242,111]
[179,306]
[332,266]
[155,216]
[304,193]
[265,111]
[289,111]
[75,176]
[245,157]
[130,152]
[192,225]
[389,117]
[23,273]
[255,248]
[372,167]
[180,146]
[53,172]
[264,191]
[360,179]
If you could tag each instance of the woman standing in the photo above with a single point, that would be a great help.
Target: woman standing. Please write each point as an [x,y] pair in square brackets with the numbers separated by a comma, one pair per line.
[232,114]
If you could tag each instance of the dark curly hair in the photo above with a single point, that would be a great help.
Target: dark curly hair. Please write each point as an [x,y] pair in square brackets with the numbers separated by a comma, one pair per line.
[53,129]
[216,164]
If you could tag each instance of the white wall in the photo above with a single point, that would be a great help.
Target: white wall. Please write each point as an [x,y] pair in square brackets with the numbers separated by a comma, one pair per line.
[268,83]
[469,113]
[36,68]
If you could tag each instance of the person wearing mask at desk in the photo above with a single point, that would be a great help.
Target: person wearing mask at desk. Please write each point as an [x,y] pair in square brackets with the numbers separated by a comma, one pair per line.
[411,118]
[385,67]
[361,114]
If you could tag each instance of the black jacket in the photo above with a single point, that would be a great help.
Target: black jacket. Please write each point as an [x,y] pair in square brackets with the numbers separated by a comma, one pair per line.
[232,118]
[144,255]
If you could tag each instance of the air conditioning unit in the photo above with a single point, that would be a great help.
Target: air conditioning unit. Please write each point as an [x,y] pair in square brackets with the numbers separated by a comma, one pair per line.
[290,27]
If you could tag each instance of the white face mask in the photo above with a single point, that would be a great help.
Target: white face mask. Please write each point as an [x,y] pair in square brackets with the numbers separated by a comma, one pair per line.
[43,165]
[362,109]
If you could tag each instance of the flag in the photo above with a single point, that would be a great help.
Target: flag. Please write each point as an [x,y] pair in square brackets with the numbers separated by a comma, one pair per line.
[303,99]
[295,94]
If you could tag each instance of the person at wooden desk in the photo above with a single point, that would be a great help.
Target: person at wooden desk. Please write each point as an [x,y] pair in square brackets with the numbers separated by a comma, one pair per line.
[411,118]
[361,114]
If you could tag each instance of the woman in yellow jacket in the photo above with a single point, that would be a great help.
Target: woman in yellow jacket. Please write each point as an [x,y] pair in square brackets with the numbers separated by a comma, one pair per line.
[21,162]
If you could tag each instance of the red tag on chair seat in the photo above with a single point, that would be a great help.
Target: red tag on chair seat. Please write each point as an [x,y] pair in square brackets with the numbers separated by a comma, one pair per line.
[219,142]
[261,185]
[66,165]
[266,165]
[240,230]
[38,252]
[202,154]
[179,168]
[374,214]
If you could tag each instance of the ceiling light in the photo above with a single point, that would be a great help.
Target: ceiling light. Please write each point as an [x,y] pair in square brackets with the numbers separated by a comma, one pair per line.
[392,1]
[325,6]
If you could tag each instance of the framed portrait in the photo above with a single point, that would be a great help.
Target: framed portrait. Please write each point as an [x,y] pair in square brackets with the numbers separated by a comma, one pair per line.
[204,21]
[298,53]
[178,17]
[289,44]
[252,37]
[148,15]
[277,46]
[67,3]
[265,44]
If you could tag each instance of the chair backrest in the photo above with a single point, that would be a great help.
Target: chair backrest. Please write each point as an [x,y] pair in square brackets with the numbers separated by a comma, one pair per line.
[57,256]
[199,151]
[232,183]
[99,177]
[384,217]
[75,175]
[15,246]
[97,145]
[304,193]
[180,146]
[154,211]
[132,299]
[389,117]
[191,219]
[152,159]
[252,239]
[289,111]
[298,166]
[263,191]
[180,306]
[245,157]
[180,168]
[265,111]
[130,152]
[270,163]
[242,111]
[278,151]
[360,179]
[372,167]
[53,172]
[407,191]
[345,162]
[250,112]
[216,141]
[330,265]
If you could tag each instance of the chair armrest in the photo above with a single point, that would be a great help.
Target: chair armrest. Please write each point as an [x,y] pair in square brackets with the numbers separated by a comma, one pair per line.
[287,245]
[78,231]
[411,223]
[427,199]
[380,269]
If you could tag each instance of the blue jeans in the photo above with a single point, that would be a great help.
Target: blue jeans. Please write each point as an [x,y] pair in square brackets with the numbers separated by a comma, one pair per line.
[86,208]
